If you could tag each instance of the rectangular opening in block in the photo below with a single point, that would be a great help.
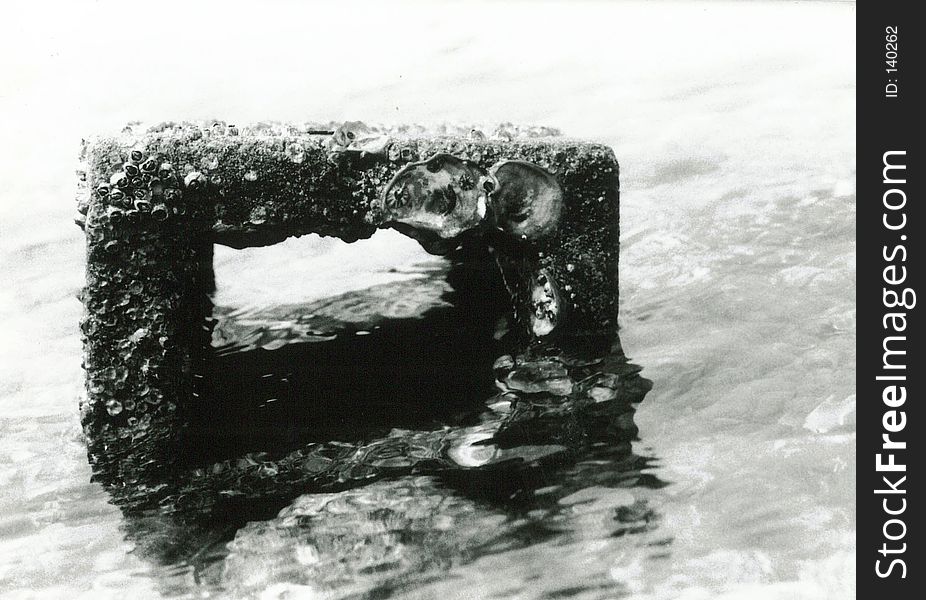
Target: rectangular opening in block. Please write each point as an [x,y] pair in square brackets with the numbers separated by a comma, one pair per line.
[317,340]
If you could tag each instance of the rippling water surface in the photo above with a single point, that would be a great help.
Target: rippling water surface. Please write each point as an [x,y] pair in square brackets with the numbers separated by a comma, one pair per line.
[732,477]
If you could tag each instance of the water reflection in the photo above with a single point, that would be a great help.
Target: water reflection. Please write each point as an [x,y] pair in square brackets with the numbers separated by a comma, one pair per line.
[359,465]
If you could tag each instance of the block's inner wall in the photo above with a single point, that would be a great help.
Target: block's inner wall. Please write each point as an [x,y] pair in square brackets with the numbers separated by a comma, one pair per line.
[153,203]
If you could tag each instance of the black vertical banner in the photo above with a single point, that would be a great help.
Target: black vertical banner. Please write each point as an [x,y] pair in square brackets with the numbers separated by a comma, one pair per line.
[891,370]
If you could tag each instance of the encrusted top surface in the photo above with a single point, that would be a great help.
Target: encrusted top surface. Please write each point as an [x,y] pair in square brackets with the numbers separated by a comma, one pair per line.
[498,131]
[277,180]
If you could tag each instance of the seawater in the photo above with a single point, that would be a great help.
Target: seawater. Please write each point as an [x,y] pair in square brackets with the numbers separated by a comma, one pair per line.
[734,126]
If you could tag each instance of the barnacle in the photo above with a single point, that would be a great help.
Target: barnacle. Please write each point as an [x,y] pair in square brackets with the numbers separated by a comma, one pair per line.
[149,166]
[159,212]
[194,180]
[114,214]
[119,180]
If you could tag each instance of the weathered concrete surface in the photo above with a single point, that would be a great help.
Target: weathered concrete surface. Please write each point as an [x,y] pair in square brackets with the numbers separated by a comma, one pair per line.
[154,203]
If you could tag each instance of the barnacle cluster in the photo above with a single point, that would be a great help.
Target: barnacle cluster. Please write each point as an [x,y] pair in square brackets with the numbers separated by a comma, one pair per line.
[144,184]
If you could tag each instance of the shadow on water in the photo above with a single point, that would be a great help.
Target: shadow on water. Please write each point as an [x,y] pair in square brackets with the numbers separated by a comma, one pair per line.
[428,440]
[352,385]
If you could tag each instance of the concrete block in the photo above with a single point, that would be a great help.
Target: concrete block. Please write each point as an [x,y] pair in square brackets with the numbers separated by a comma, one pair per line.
[154,202]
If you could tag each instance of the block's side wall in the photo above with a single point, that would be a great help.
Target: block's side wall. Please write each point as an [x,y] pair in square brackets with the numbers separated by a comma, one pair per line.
[582,256]
[142,327]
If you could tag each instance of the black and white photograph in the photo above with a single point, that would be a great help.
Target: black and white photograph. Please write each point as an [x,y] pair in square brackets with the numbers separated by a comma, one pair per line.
[489,300]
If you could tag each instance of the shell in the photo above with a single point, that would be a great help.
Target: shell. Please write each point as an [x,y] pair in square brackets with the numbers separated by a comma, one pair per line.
[441,196]
[357,136]
[546,304]
[528,201]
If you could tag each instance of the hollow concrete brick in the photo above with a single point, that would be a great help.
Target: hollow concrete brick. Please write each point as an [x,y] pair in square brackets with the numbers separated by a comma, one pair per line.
[154,202]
